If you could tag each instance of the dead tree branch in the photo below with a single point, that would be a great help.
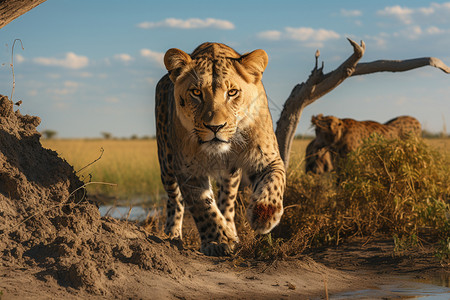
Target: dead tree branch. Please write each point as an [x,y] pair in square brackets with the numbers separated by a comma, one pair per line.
[399,65]
[319,84]
[12,9]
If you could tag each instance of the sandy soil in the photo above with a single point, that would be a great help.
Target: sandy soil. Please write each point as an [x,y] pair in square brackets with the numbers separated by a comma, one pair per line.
[55,245]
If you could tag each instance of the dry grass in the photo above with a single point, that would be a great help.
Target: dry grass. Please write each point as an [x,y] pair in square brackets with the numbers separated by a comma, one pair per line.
[131,164]
[401,189]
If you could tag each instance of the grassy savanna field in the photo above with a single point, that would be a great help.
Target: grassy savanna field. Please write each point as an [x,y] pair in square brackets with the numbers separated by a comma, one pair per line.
[399,188]
[133,164]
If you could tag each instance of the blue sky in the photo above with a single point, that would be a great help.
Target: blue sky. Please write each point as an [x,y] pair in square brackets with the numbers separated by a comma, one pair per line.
[91,66]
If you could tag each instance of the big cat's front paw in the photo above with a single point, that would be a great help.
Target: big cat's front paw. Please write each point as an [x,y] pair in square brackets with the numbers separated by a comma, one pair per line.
[217,249]
[220,244]
[264,215]
[173,233]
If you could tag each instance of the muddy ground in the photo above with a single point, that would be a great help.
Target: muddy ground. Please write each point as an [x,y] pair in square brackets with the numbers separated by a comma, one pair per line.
[55,245]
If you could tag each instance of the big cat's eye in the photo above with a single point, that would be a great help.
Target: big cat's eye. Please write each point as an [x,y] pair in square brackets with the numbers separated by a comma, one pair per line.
[232,93]
[196,93]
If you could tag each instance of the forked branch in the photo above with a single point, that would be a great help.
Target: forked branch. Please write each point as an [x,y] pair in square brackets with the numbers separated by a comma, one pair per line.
[319,84]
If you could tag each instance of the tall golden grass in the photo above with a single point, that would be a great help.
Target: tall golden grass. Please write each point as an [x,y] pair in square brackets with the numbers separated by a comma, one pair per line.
[133,164]
[320,209]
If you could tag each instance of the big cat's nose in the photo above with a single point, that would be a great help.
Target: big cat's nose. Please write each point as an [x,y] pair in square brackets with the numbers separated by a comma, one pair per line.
[215,128]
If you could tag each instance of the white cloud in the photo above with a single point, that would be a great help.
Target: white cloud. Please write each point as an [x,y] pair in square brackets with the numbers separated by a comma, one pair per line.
[417,21]
[379,41]
[60,92]
[153,56]
[150,80]
[19,58]
[410,32]
[61,105]
[437,12]
[434,30]
[192,23]
[351,13]
[415,32]
[53,75]
[272,35]
[401,13]
[310,34]
[71,84]
[312,37]
[123,57]
[85,74]
[426,10]
[68,88]
[112,100]
[71,61]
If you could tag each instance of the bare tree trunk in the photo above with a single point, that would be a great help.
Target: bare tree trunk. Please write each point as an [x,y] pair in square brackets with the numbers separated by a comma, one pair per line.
[12,9]
[319,84]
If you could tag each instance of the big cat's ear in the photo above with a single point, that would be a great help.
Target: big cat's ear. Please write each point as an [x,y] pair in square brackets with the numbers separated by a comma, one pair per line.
[255,62]
[175,60]
[316,119]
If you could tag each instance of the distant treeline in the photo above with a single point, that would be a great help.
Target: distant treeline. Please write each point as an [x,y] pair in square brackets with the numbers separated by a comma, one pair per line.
[304,137]
[50,134]
[434,135]
[425,134]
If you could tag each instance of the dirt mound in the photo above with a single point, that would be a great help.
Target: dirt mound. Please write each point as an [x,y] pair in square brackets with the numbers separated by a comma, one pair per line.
[55,245]
[47,221]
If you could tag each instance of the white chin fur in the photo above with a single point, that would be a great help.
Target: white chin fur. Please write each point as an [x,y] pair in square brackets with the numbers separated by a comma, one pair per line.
[215,148]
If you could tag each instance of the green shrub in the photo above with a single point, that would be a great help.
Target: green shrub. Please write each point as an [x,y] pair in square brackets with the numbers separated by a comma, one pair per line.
[395,186]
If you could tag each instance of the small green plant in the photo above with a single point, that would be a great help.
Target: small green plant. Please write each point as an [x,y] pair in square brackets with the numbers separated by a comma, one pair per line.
[405,242]
[443,251]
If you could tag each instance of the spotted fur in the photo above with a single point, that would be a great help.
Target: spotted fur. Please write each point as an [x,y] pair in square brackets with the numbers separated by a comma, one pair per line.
[337,137]
[405,126]
[213,122]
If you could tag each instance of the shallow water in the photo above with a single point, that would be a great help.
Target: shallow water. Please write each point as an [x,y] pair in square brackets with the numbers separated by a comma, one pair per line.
[431,288]
[436,288]
[131,213]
